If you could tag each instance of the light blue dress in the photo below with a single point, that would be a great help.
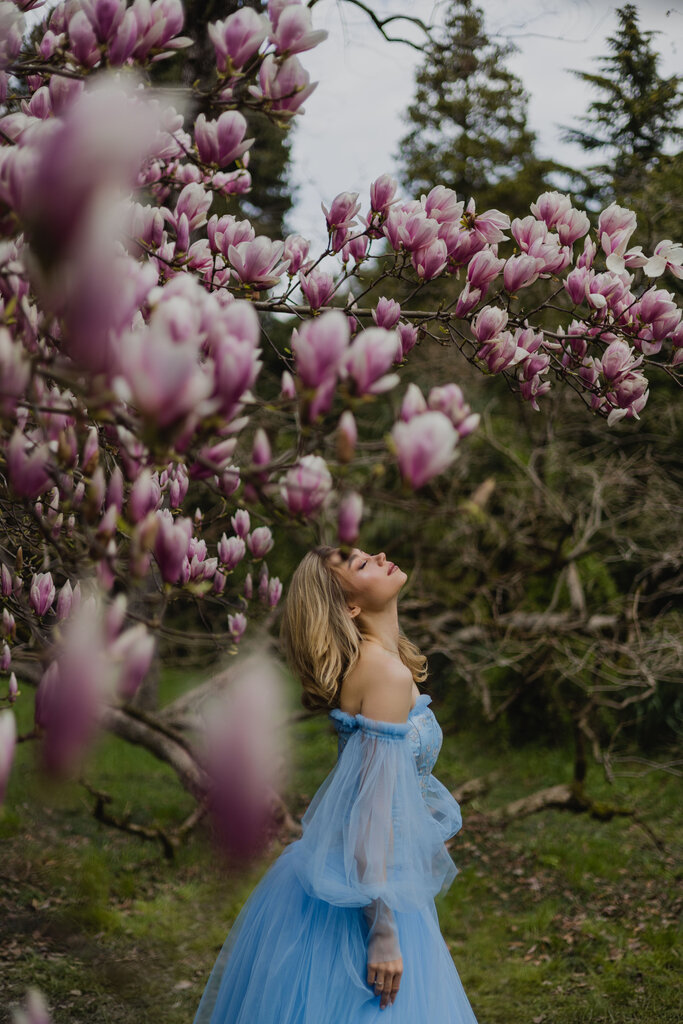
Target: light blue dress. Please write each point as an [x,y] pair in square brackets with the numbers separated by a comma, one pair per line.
[369,864]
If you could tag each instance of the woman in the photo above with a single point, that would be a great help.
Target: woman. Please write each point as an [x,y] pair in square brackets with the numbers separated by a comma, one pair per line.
[343,925]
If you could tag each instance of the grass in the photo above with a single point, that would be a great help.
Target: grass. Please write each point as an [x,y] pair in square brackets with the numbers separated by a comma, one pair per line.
[559,919]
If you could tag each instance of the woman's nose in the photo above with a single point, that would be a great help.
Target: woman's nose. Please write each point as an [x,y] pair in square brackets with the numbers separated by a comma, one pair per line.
[381,558]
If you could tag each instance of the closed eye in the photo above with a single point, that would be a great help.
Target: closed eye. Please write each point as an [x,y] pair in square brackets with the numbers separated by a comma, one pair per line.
[363,565]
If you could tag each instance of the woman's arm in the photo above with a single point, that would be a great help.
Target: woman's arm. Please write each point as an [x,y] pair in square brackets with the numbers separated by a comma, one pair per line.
[384,687]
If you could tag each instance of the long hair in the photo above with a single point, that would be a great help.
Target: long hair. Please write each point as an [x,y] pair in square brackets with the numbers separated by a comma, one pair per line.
[321,640]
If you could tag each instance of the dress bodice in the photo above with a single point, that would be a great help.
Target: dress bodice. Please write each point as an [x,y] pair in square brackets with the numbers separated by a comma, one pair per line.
[424,735]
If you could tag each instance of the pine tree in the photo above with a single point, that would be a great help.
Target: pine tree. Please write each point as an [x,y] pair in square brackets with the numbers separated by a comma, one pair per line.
[633,119]
[468,121]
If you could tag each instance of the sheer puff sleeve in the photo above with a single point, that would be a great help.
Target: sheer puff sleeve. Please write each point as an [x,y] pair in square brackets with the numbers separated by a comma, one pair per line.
[371,839]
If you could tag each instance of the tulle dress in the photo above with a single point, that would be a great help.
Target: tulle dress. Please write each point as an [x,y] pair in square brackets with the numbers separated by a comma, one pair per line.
[367,868]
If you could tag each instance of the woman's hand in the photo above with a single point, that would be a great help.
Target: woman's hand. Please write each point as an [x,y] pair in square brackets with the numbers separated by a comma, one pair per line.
[385,978]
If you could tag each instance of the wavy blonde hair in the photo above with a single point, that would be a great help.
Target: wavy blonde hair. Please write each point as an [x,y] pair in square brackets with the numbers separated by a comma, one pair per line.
[321,640]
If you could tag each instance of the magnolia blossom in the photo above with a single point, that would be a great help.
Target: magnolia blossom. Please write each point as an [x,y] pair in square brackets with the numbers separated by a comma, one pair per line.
[238,37]
[293,31]
[8,739]
[349,517]
[425,446]
[284,85]
[222,141]
[306,485]
[371,354]
[231,551]
[42,593]
[243,740]
[347,436]
[319,347]
[260,541]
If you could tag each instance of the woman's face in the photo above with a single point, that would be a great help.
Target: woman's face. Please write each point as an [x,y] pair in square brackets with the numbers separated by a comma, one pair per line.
[370,582]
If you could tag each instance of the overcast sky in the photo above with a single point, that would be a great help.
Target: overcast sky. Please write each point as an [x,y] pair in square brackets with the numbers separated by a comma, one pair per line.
[349,134]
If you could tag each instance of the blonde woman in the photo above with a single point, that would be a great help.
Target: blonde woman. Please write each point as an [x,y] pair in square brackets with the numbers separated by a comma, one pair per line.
[343,926]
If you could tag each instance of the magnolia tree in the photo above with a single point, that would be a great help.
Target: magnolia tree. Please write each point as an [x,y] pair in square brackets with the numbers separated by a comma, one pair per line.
[134,301]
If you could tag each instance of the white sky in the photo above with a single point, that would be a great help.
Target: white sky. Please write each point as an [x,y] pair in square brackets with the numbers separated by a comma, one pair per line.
[353,121]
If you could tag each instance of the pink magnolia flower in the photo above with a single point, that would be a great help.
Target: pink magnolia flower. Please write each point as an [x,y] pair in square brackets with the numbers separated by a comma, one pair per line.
[237,364]
[237,625]
[450,400]
[243,740]
[159,23]
[442,205]
[171,545]
[349,517]
[488,323]
[586,258]
[572,226]
[387,313]
[347,436]
[500,352]
[306,485]
[260,541]
[226,231]
[429,261]
[231,551]
[383,193]
[413,403]
[615,227]
[222,141]
[552,207]
[532,390]
[72,691]
[318,287]
[668,255]
[371,354]
[287,385]
[8,740]
[408,337]
[658,310]
[15,371]
[468,300]
[577,283]
[490,225]
[319,347]
[617,360]
[274,591]
[425,446]
[258,262]
[82,40]
[484,267]
[356,248]
[521,271]
[527,231]
[342,211]
[295,253]
[294,32]
[11,32]
[241,522]
[145,496]
[238,37]
[65,601]
[284,85]
[42,593]
[132,653]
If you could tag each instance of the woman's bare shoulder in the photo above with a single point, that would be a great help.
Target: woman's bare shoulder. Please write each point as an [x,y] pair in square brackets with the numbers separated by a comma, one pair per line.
[379,686]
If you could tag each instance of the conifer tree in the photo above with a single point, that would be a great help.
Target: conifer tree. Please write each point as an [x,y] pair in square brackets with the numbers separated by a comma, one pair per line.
[468,121]
[635,116]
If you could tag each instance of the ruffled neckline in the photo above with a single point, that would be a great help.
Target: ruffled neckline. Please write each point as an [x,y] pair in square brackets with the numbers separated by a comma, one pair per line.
[349,722]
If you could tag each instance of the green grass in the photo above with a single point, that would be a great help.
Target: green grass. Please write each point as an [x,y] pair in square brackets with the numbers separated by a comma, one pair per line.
[559,919]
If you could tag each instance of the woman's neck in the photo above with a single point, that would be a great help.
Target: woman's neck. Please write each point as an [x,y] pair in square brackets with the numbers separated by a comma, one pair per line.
[382,628]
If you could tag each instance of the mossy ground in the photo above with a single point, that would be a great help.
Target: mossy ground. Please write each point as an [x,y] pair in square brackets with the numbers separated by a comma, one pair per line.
[559,919]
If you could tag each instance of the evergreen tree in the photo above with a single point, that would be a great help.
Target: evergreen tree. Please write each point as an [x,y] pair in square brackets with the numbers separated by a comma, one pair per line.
[468,121]
[634,117]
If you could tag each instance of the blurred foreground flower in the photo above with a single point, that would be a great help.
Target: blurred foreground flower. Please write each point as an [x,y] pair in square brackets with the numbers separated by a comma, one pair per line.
[8,739]
[35,1011]
[245,757]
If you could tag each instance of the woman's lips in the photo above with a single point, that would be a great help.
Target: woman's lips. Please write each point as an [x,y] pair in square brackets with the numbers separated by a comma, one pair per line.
[393,566]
